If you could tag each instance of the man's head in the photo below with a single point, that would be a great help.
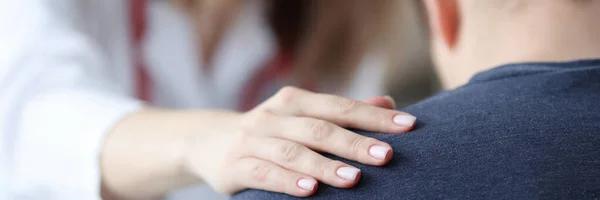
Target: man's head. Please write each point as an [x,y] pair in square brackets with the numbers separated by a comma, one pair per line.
[468,36]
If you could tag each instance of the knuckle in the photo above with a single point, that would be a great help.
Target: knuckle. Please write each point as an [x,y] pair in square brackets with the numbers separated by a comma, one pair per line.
[244,137]
[261,117]
[322,170]
[255,120]
[357,144]
[260,172]
[286,95]
[344,106]
[320,129]
[290,152]
[288,90]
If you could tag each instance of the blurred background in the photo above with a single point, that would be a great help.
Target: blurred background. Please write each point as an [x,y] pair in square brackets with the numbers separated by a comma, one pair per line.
[327,39]
[414,78]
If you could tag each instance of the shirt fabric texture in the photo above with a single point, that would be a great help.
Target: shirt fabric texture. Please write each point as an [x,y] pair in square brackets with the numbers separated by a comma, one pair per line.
[518,131]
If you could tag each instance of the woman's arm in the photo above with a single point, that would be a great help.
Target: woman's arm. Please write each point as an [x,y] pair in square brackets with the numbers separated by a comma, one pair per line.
[273,147]
[144,154]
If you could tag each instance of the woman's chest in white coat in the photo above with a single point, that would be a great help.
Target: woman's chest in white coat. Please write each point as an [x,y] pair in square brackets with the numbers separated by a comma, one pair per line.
[172,57]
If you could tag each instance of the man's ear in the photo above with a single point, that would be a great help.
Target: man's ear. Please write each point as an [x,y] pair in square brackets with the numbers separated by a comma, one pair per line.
[444,20]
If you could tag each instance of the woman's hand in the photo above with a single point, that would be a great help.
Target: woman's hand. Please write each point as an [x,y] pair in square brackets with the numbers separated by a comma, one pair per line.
[274,147]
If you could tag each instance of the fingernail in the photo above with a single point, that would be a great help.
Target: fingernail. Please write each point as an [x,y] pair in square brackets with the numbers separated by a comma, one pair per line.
[379,152]
[405,120]
[307,184]
[348,173]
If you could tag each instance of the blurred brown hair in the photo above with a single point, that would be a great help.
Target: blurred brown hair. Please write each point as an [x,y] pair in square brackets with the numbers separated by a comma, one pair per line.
[328,37]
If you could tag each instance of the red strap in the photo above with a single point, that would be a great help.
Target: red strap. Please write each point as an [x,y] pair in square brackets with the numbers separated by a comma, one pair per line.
[138,29]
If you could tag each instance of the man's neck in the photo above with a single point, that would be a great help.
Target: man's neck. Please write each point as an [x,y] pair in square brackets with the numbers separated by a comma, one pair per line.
[562,41]
[545,37]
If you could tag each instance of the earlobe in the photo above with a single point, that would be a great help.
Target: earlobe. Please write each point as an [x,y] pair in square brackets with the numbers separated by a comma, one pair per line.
[444,20]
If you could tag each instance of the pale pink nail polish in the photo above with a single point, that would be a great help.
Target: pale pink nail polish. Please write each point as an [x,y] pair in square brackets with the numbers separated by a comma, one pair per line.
[405,120]
[379,152]
[307,184]
[348,173]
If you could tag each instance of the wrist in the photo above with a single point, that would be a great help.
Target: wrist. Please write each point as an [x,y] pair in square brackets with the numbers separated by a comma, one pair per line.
[207,142]
[142,156]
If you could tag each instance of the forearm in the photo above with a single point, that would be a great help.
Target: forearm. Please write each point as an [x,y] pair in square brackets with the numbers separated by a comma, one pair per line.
[141,156]
[144,155]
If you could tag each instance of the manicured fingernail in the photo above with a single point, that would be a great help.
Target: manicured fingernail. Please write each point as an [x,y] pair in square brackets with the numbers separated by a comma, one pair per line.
[379,152]
[405,120]
[348,173]
[307,184]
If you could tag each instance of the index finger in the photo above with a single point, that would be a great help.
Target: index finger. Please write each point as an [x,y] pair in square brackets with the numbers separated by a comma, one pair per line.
[341,111]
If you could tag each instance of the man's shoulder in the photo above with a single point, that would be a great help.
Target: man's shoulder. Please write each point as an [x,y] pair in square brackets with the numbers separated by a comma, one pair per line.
[523,137]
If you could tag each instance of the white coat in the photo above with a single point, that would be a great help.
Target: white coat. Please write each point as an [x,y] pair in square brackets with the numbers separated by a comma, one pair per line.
[66,78]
